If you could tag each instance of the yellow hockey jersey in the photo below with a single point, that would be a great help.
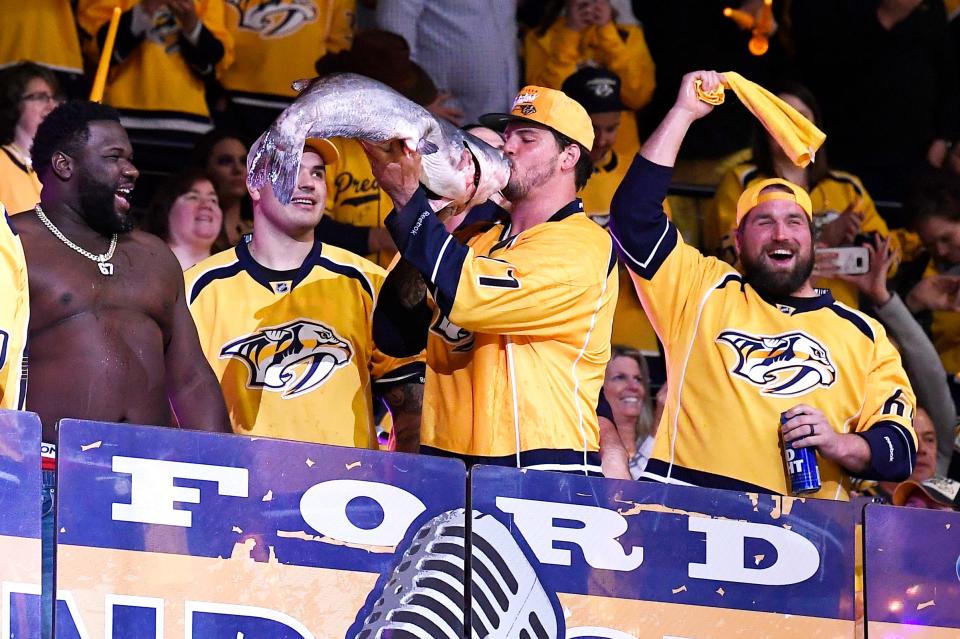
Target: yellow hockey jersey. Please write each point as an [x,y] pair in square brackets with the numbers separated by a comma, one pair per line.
[630,324]
[156,77]
[278,42]
[19,185]
[293,350]
[520,339]
[14,316]
[736,361]
[42,32]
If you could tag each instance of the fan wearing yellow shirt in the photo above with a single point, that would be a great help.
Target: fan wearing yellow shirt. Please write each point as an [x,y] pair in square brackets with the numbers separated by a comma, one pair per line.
[520,322]
[286,323]
[598,90]
[742,351]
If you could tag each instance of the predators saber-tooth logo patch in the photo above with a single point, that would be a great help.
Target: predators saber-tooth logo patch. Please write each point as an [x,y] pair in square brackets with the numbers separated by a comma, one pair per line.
[291,359]
[274,18]
[783,365]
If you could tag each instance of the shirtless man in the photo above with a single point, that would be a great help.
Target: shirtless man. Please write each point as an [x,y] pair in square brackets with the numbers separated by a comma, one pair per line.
[110,335]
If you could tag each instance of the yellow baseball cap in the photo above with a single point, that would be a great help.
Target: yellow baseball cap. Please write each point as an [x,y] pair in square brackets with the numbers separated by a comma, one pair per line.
[322,146]
[752,197]
[325,148]
[550,108]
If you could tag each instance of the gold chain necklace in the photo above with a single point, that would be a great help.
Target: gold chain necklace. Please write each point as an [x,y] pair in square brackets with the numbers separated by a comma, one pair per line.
[102,260]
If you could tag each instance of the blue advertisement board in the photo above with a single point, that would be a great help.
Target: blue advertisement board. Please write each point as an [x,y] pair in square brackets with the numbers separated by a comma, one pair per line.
[19,525]
[578,557]
[170,533]
[912,572]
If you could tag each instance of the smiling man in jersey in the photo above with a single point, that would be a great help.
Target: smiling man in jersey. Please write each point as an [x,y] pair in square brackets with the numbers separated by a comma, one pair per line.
[741,350]
[286,322]
[520,314]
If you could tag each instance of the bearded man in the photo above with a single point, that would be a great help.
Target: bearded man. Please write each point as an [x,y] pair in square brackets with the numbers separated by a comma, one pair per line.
[747,352]
[109,337]
[520,313]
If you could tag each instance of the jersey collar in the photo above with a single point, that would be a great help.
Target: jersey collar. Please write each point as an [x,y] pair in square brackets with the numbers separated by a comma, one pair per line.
[268,277]
[576,206]
[791,305]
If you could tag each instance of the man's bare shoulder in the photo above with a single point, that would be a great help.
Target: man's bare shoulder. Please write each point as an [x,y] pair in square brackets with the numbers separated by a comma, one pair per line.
[153,249]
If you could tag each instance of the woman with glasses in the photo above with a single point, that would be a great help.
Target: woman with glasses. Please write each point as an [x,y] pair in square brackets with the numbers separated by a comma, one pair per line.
[28,92]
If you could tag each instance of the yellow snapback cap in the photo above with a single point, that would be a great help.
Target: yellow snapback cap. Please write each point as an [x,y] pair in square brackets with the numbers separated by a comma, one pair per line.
[549,107]
[753,196]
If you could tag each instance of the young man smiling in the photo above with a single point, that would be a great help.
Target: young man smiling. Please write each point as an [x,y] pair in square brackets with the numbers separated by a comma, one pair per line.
[286,322]
[744,350]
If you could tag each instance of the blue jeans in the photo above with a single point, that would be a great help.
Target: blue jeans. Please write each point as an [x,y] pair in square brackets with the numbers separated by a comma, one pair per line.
[47,537]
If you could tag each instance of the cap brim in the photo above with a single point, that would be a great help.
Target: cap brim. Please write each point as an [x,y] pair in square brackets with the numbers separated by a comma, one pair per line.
[325,148]
[499,121]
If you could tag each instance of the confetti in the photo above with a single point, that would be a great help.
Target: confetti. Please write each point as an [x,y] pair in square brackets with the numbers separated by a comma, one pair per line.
[309,462]
[925,604]
[757,559]
[268,496]
[679,590]
[352,466]
[720,591]
[90,446]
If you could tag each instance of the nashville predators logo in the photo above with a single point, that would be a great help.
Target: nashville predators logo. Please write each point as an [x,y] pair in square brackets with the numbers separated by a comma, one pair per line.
[461,340]
[292,359]
[274,18]
[781,365]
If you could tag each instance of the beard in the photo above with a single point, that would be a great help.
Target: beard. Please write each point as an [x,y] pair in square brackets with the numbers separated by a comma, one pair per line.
[774,282]
[99,209]
[520,186]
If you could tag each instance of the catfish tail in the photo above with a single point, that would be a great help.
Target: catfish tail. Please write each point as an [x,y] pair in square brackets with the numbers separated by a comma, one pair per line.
[276,161]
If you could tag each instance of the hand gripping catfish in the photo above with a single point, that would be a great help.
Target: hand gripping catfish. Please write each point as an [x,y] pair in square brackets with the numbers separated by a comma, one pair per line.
[354,106]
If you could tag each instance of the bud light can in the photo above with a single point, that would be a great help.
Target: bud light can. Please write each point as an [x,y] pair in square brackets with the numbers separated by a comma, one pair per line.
[801,466]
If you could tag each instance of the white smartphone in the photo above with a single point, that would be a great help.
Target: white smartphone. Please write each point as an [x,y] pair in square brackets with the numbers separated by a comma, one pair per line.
[850,260]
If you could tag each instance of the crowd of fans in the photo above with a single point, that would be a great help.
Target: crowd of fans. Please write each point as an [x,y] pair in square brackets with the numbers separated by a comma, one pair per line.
[196,82]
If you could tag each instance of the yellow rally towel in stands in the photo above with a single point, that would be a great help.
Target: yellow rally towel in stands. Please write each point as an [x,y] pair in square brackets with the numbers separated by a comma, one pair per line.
[797,135]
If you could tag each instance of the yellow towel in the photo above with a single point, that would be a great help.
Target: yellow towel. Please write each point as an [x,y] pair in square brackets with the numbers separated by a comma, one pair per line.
[797,135]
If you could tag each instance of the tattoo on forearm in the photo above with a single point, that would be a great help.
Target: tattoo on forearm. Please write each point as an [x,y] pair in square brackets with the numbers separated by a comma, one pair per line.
[405,399]
[411,287]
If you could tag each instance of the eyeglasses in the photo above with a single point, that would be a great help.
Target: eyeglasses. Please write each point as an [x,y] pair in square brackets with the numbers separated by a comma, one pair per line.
[41,96]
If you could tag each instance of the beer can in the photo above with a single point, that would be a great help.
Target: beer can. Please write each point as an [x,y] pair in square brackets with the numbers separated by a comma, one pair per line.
[801,466]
